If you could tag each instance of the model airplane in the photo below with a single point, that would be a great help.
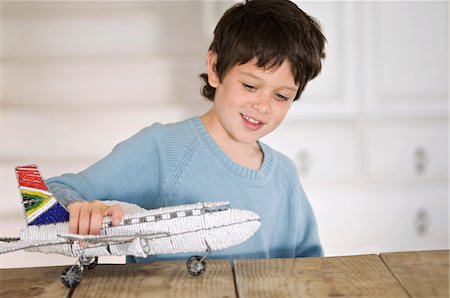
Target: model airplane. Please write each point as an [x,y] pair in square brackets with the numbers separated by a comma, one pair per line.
[200,227]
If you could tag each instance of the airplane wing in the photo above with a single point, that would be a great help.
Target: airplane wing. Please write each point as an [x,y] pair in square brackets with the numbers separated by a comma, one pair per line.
[18,245]
[109,238]
[14,244]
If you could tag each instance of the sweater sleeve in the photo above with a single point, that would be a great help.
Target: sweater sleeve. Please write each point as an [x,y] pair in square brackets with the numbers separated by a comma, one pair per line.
[308,243]
[130,173]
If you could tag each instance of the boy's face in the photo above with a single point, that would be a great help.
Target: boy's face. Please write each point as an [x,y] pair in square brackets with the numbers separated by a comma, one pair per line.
[250,102]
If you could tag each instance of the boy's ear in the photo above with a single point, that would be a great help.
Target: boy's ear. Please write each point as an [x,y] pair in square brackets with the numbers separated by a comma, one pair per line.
[211,60]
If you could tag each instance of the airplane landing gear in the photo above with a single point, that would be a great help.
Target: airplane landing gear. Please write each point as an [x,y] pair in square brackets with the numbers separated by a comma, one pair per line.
[196,265]
[88,263]
[72,275]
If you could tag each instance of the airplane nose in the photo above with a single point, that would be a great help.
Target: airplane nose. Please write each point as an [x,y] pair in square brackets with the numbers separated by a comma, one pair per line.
[230,227]
[253,216]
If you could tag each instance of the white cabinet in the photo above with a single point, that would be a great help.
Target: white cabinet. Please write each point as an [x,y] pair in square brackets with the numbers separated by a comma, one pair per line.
[372,145]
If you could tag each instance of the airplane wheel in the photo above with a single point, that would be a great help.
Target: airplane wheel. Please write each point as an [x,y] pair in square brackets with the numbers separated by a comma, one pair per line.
[92,264]
[195,267]
[71,276]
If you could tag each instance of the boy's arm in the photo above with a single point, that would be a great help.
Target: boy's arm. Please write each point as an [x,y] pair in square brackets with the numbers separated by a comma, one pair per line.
[308,243]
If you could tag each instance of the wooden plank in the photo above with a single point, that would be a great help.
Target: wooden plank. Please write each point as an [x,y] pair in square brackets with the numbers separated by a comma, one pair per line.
[158,279]
[32,282]
[353,276]
[422,273]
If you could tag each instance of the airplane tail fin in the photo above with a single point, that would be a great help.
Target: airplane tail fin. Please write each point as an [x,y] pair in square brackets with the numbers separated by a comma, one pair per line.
[39,205]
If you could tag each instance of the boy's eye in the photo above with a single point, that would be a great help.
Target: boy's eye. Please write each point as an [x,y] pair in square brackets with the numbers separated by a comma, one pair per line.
[281,97]
[249,87]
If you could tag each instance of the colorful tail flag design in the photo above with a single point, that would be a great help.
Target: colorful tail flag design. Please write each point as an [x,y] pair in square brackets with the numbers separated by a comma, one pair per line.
[39,205]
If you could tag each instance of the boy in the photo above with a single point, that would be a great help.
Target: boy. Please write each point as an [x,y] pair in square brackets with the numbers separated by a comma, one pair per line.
[262,56]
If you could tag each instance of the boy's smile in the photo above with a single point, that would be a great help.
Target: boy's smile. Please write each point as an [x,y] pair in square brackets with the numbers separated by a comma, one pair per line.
[249,103]
[252,123]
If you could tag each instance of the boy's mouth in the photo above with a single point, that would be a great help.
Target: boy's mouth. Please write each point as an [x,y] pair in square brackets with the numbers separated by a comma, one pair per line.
[252,123]
[251,120]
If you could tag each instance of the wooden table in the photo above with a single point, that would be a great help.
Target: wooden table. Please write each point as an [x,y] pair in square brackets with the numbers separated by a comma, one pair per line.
[402,274]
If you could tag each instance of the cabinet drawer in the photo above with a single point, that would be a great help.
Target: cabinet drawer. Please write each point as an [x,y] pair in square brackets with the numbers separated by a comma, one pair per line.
[407,152]
[321,153]
[374,219]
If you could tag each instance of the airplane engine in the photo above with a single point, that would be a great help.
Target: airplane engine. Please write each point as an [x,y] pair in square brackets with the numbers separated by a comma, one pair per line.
[145,245]
[139,247]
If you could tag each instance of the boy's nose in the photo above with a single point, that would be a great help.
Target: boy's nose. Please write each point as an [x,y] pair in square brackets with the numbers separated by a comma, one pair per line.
[262,105]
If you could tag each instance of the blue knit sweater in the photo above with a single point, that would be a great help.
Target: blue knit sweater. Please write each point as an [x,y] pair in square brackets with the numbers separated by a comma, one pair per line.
[172,164]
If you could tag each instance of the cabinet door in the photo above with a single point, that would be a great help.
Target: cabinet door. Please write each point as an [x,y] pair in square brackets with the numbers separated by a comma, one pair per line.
[406,50]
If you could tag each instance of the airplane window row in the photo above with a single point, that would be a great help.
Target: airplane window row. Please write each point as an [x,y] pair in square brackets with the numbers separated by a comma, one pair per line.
[172,215]
[158,217]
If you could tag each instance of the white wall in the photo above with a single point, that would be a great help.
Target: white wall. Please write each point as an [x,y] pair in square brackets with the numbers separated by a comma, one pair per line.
[369,135]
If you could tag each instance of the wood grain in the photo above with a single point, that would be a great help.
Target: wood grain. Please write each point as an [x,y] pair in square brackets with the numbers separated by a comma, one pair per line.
[422,274]
[32,282]
[158,279]
[353,276]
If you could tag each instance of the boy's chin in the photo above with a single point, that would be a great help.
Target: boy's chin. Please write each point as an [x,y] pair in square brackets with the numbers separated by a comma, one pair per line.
[251,139]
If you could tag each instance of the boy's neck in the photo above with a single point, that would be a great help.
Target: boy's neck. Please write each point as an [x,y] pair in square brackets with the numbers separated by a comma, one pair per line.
[248,155]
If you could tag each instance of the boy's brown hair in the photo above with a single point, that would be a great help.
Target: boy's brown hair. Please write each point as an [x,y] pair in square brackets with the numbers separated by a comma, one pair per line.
[270,31]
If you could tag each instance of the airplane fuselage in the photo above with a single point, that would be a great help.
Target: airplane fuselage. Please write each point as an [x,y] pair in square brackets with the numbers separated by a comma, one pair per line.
[170,230]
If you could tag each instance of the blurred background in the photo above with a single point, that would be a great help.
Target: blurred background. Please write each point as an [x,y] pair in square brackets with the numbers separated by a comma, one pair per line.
[369,135]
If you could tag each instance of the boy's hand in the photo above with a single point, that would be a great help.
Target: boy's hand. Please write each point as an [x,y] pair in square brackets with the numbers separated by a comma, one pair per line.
[86,218]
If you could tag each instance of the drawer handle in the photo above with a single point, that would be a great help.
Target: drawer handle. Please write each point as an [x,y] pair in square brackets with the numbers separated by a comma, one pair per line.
[422,221]
[421,160]
[304,162]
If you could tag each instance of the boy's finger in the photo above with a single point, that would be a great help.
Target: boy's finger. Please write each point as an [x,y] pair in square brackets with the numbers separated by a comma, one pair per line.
[74,217]
[96,221]
[116,213]
[84,220]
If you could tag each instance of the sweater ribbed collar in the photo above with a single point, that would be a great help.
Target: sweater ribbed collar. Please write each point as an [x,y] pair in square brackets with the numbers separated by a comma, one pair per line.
[242,172]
